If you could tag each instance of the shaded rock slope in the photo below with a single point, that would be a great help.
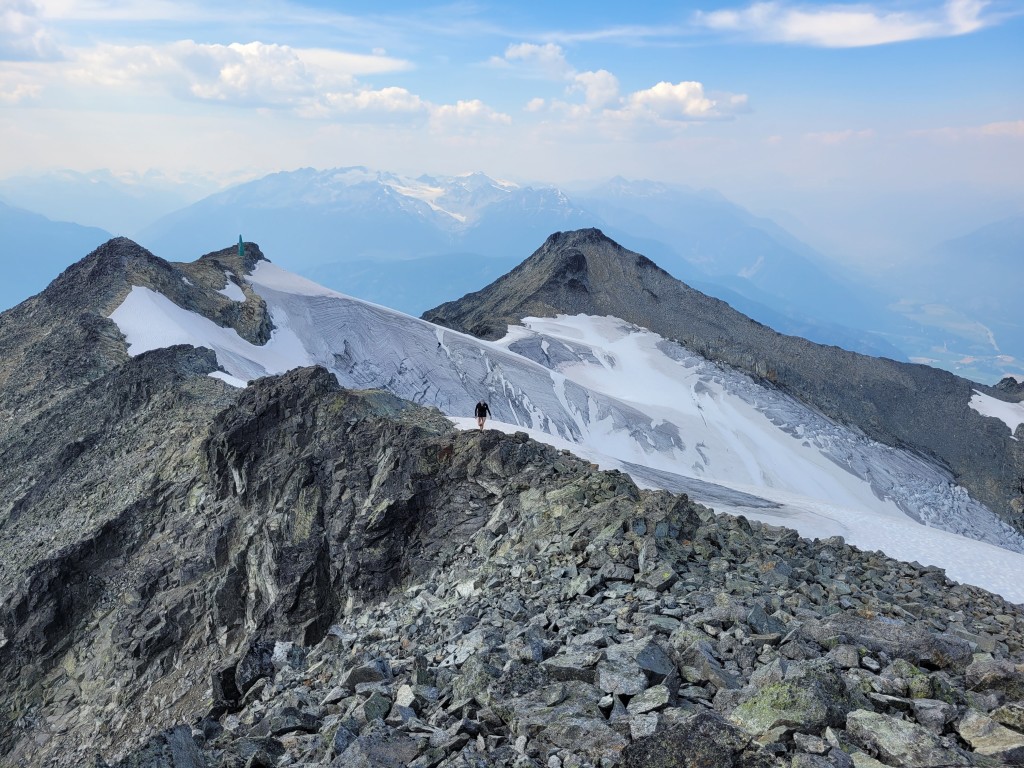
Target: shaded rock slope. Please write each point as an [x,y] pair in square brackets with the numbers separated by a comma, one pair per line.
[295,574]
[906,406]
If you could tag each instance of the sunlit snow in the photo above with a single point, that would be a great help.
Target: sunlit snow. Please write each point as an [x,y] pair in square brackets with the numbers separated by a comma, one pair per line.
[623,398]
[1011,414]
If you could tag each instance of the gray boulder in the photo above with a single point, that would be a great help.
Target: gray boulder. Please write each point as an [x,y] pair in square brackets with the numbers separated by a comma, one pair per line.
[900,743]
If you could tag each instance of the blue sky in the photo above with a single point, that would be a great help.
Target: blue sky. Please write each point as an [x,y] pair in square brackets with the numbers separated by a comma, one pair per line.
[830,113]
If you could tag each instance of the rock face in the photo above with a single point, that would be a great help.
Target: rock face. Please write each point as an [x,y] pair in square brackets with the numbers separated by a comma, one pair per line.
[903,405]
[195,576]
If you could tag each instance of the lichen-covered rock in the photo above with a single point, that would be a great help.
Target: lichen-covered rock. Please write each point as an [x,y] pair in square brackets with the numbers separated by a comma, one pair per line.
[900,743]
[703,740]
[810,696]
[997,675]
[893,637]
[989,738]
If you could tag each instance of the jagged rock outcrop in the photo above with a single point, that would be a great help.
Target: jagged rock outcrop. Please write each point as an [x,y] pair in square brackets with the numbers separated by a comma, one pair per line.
[574,620]
[906,406]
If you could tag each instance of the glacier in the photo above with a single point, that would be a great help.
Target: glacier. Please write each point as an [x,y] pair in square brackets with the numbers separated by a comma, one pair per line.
[624,398]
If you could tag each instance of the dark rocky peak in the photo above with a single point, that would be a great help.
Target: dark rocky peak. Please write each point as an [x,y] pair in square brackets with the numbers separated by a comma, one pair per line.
[63,339]
[102,277]
[915,407]
[230,259]
[1011,386]
[582,271]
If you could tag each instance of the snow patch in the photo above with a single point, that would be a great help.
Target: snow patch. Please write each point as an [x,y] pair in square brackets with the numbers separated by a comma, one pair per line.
[231,290]
[1011,414]
[150,320]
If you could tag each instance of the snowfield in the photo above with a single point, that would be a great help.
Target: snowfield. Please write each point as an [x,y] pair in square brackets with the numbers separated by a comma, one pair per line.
[623,398]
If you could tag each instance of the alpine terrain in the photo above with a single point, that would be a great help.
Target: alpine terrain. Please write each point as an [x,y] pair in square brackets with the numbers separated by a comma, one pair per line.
[248,522]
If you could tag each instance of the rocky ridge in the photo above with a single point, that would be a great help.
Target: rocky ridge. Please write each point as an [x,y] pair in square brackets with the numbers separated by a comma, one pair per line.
[298,574]
[541,613]
[902,405]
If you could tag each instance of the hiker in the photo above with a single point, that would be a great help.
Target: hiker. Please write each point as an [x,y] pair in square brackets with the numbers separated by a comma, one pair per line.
[482,412]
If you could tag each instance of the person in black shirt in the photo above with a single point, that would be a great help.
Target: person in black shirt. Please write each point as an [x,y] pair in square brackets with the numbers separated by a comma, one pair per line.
[482,412]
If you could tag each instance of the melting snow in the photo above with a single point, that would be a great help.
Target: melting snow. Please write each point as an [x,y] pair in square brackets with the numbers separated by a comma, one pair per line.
[1011,414]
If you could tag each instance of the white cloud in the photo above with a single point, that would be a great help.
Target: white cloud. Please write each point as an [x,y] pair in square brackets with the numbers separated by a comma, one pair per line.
[23,37]
[466,115]
[673,101]
[389,103]
[547,60]
[600,89]
[846,26]
[663,104]
[16,93]
[669,105]
[240,73]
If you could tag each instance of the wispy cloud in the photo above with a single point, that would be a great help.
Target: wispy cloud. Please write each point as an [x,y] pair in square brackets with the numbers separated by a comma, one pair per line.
[1009,129]
[240,73]
[17,93]
[845,26]
[23,35]
[834,138]
[467,115]
[547,60]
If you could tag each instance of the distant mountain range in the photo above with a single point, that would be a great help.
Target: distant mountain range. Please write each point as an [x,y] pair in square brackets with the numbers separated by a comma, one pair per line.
[411,243]
[33,249]
[968,292]
[118,203]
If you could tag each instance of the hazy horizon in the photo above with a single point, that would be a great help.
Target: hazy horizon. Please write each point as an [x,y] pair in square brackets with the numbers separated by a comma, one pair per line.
[867,128]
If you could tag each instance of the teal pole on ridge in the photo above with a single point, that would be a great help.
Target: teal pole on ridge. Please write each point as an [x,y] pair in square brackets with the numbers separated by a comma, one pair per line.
[241,248]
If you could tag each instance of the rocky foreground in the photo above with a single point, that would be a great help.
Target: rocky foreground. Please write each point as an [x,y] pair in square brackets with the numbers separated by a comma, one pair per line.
[523,609]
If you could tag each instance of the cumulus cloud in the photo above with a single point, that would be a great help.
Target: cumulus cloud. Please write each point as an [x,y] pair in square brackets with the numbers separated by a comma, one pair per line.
[546,60]
[23,37]
[662,104]
[673,101]
[240,73]
[845,26]
[390,101]
[466,116]
[600,89]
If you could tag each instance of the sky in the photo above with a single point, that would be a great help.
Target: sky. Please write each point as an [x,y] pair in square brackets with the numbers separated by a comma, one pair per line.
[853,118]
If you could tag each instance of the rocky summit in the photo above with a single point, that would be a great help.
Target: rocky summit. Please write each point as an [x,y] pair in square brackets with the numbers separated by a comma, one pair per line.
[194,575]
[908,406]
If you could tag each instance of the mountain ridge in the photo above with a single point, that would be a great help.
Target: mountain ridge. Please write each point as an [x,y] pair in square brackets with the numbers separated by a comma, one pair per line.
[887,400]
[195,574]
